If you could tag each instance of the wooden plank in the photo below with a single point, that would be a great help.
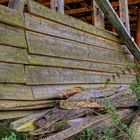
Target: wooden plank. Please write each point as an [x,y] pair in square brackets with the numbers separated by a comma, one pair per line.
[79,64]
[13,55]
[52,46]
[98,16]
[11,16]
[119,27]
[138,30]
[40,10]
[57,91]
[124,14]
[12,36]
[51,28]
[11,73]
[16,114]
[57,5]
[49,75]
[15,92]
[17,4]
[25,105]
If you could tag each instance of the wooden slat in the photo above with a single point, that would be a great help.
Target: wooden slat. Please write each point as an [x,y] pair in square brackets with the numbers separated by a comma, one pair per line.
[41,10]
[119,27]
[56,91]
[48,27]
[25,105]
[11,16]
[98,16]
[17,4]
[12,36]
[13,55]
[58,30]
[17,114]
[15,92]
[10,73]
[69,34]
[138,30]
[50,75]
[57,5]
[52,46]
[124,13]
[78,64]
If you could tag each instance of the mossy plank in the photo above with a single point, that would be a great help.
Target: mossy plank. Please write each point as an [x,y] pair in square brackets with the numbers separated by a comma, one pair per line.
[12,73]
[57,91]
[25,105]
[40,10]
[79,64]
[17,114]
[52,28]
[12,36]
[11,16]
[15,92]
[52,46]
[50,75]
[15,55]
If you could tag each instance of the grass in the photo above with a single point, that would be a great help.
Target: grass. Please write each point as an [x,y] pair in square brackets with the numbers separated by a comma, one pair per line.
[7,134]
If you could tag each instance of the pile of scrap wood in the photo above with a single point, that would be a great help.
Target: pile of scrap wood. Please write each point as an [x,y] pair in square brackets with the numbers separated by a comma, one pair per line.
[80,111]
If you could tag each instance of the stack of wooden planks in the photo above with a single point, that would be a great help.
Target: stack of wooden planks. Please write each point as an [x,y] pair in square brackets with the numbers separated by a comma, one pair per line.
[83,110]
[46,56]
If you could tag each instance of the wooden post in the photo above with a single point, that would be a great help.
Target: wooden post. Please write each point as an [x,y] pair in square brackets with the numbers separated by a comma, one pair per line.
[98,16]
[138,30]
[17,4]
[124,14]
[119,27]
[57,5]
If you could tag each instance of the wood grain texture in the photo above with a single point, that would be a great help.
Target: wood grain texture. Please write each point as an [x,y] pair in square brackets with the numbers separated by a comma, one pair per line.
[11,16]
[13,55]
[15,92]
[16,114]
[79,64]
[52,28]
[38,9]
[56,91]
[52,46]
[11,73]
[25,105]
[50,75]
[12,36]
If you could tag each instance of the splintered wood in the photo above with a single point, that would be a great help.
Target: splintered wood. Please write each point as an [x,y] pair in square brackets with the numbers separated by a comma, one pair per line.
[85,109]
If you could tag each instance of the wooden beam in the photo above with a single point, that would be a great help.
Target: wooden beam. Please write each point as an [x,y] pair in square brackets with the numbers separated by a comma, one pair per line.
[17,4]
[78,10]
[119,27]
[124,13]
[138,30]
[98,16]
[57,5]
[130,2]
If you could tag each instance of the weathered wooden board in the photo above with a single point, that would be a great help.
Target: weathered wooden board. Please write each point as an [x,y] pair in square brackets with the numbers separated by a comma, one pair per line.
[15,92]
[11,54]
[79,64]
[17,114]
[49,75]
[52,46]
[11,73]
[119,27]
[25,105]
[52,28]
[57,91]
[40,10]
[11,16]
[12,36]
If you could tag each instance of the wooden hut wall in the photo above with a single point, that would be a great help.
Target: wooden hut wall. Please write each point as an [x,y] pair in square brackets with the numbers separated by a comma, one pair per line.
[44,53]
